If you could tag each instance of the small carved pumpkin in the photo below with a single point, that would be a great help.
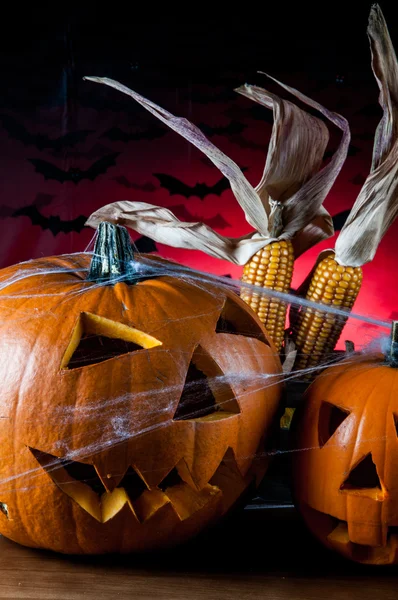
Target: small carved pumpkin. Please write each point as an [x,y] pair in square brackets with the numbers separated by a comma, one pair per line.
[345,464]
[132,405]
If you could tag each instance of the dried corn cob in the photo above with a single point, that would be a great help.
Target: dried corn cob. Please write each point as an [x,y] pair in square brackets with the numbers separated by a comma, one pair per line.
[271,267]
[317,332]
[293,178]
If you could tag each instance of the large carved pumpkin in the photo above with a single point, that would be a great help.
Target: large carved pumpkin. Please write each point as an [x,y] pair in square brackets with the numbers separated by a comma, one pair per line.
[132,405]
[345,467]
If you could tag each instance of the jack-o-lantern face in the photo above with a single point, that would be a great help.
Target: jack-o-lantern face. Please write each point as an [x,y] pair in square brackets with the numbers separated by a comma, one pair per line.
[345,467]
[130,414]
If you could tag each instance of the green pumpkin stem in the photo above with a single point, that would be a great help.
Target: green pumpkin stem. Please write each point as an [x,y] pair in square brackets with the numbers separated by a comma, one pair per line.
[393,353]
[113,258]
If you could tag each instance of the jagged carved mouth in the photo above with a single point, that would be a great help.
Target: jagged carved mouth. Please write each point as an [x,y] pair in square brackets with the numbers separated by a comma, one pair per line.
[382,546]
[81,482]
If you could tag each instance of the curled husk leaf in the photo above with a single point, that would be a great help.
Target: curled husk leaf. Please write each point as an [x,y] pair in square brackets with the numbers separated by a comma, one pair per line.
[291,178]
[376,206]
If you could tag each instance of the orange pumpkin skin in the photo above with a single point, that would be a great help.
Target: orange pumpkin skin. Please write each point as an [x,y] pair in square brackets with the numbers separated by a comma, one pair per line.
[159,479]
[345,464]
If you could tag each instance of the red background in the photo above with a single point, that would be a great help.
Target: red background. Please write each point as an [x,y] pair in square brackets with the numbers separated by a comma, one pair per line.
[190,68]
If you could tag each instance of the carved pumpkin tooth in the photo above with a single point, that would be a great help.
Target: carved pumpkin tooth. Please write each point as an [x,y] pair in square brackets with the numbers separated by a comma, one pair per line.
[228,477]
[186,502]
[66,475]
[112,503]
[112,466]
[202,473]
[148,503]
[185,473]
[154,476]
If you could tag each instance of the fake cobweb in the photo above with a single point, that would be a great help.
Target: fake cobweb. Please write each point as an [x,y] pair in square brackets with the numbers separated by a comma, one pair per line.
[206,392]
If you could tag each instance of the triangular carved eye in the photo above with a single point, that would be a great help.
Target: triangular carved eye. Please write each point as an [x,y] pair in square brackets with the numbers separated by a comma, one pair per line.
[330,419]
[206,393]
[364,480]
[95,339]
[235,320]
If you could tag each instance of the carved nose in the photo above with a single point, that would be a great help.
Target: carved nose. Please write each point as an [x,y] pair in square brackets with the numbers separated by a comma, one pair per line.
[363,480]
[364,523]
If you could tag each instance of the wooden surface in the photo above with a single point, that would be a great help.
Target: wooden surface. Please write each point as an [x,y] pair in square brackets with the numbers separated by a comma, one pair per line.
[257,554]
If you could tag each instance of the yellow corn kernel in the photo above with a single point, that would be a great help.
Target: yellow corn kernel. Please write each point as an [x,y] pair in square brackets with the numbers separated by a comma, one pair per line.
[286,419]
[316,333]
[271,267]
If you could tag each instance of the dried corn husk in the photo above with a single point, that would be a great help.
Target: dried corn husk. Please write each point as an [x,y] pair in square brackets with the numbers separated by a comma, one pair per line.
[373,212]
[290,174]
[376,206]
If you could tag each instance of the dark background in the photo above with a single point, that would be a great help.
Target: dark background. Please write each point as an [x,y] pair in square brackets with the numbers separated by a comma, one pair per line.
[189,66]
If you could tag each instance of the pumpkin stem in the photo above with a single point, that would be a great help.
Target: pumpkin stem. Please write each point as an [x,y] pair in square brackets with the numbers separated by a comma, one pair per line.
[113,258]
[393,355]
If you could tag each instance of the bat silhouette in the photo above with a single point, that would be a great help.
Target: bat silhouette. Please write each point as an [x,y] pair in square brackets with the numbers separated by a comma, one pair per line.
[339,219]
[97,151]
[261,113]
[51,171]
[176,187]
[54,223]
[145,244]
[57,225]
[257,113]
[144,187]
[18,131]
[118,135]
[352,151]
[242,142]
[40,200]
[216,222]
[232,128]
[358,179]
